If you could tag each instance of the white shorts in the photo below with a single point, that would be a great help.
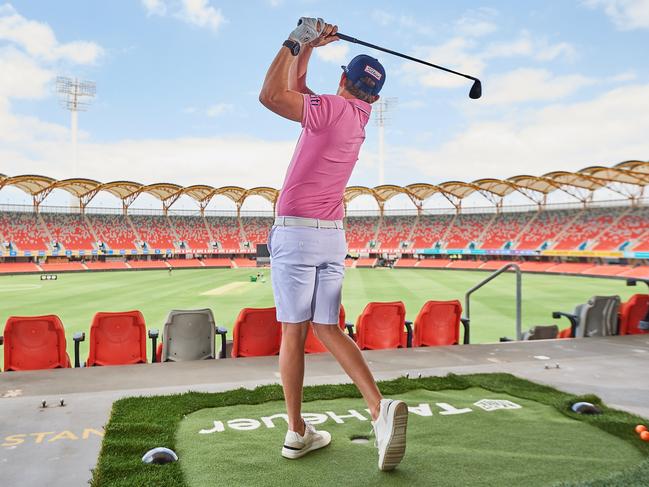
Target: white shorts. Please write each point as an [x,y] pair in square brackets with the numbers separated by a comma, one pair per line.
[307,270]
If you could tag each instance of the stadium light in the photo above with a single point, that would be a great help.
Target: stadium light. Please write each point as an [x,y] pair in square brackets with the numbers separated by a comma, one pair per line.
[75,96]
[381,117]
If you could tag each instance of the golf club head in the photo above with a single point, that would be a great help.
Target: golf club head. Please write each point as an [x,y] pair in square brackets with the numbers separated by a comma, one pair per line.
[476,90]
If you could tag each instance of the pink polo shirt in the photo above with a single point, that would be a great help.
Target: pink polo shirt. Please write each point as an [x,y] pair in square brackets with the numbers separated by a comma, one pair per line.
[325,155]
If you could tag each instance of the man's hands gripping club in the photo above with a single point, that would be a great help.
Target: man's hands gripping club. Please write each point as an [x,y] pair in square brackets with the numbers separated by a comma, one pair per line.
[286,78]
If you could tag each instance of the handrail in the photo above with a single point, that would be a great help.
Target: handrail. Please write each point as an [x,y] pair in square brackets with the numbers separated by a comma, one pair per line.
[467,299]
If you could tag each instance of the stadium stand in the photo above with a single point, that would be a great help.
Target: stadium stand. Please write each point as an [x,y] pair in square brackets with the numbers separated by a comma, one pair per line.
[464,264]
[113,230]
[71,231]
[217,262]
[429,230]
[434,263]
[586,227]
[148,264]
[244,262]
[630,229]
[191,230]
[394,230]
[226,231]
[467,229]
[24,231]
[547,225]
[184,263]
[62,267]
[97,265]
[34,343]
[16,267]
[406,262]
[255,229]
[155,231]
[505,229]
[366,262]
[360,230]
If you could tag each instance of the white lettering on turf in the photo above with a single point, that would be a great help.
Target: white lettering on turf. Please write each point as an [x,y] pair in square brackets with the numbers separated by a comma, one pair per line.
[449,410]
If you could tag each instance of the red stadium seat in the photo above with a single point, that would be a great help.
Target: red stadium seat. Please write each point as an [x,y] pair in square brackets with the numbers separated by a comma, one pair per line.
[381,326]
[256,333]
[312,344]
[438,323]
[565,333]
[635,310]
[34,343]
[117,339]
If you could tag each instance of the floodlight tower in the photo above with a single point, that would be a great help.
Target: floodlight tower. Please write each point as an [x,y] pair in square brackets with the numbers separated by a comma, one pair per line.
[75,96]
[381,117]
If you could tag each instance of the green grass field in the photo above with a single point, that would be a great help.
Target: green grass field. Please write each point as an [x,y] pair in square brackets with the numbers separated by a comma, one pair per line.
[76,297]
[234,438]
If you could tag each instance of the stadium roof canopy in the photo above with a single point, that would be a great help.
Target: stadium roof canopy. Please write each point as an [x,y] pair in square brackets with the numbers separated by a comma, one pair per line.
[627,178]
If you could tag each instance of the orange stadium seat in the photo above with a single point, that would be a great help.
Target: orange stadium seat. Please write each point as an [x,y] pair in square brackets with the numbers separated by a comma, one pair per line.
[632,312]
[312,344]
[34,343]
[438,323]
[117,338]
[256,333]
[381,326]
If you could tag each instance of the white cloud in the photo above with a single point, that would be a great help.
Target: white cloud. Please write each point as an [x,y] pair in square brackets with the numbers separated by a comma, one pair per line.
[626,14]
[155,7]
[38,39]
[335,52]
[607,129]
[526,45]
[527,84]
[219,109]
[21,76]
[405,23]
[477,23]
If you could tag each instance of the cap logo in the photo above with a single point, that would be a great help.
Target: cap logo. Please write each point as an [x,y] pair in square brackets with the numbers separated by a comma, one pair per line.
[370,70]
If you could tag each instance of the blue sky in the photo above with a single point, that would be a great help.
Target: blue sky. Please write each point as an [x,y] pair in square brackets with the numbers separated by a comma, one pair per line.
[565,86]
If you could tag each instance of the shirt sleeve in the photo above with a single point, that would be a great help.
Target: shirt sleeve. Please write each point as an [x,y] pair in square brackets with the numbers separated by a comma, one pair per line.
[321,111]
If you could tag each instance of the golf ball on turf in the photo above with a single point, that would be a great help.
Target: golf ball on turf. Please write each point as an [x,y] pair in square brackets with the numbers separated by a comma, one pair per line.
[640,428]
[644,436]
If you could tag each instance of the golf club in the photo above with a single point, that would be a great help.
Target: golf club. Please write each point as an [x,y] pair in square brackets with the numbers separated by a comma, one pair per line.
[476,89]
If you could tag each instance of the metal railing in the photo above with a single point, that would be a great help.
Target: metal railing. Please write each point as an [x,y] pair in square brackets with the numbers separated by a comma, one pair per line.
[519,288]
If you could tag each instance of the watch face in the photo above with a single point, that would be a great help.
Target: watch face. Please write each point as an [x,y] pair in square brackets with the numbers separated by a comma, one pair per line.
[296,49]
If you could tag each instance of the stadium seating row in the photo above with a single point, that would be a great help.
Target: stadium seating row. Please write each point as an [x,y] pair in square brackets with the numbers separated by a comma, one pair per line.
[609,228]
[120,338]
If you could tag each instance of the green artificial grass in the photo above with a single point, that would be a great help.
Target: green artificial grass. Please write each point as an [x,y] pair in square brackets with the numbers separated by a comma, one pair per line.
[76,297]
[543,443]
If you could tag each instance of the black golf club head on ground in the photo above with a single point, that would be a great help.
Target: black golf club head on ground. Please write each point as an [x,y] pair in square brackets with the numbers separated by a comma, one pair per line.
[476,90]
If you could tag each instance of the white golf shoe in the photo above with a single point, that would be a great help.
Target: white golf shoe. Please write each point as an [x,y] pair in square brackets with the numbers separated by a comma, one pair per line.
[296,445]
[390,431]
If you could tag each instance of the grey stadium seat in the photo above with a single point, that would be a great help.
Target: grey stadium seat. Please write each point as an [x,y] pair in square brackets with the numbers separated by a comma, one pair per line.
[597,317]
[542,332]
[190,335]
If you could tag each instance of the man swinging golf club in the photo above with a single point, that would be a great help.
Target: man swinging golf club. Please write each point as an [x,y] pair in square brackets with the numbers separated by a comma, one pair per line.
[307,243]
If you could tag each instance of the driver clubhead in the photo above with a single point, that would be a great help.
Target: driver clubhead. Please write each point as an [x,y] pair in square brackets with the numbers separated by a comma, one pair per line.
[476,90]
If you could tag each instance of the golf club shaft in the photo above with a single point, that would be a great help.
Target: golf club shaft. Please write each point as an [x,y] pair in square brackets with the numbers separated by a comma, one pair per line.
[347,38]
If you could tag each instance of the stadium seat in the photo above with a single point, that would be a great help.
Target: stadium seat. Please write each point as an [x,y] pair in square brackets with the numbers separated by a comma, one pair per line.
[634,315]
[597,317]
[34,343]
[256,333]
[381,326]
[437,323]
[312,344]
[117,339]
[542,332]
[190,335]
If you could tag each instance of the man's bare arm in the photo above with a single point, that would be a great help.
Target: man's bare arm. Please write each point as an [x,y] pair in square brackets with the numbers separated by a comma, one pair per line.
[276,94]
[297,71]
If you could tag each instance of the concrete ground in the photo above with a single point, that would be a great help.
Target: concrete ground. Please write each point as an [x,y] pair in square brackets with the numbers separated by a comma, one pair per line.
[58,445]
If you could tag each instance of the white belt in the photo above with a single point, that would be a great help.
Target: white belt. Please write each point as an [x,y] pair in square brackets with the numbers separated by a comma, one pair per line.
[298,221]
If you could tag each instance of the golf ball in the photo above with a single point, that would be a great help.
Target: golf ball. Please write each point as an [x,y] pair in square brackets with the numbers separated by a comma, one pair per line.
[640,428]
[644,436]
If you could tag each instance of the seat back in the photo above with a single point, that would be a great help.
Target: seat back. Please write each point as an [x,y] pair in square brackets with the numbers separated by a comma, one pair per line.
[381,325]
[312,344]
[117,339]
[256,333]
[635,310]
[34,342]
[188,335]
[598,317]
[542,332]
[438,323]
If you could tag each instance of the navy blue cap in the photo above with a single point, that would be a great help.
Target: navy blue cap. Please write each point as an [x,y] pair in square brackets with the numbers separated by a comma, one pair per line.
[365,66]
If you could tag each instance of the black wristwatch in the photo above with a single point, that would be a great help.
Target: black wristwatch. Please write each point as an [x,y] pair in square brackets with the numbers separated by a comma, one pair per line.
[293,46]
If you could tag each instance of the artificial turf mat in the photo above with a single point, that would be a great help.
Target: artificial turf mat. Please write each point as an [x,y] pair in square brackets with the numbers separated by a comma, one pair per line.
[530,446]
[542,443]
